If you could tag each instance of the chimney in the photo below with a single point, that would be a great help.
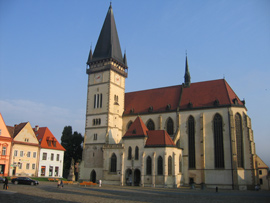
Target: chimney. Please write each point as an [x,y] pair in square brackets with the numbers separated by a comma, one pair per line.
[36,128]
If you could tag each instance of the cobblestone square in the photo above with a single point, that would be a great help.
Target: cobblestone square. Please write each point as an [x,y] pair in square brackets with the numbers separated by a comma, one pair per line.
[48,192]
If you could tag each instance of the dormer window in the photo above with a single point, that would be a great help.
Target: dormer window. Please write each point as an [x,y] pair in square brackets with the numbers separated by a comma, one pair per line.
[54,143]
[235,101]
[49,143]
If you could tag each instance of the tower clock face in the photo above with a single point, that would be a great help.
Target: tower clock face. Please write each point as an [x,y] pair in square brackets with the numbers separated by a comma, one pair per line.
[98,77]
[117,79]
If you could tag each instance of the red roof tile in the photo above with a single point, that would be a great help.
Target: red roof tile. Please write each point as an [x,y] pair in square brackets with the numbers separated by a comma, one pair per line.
[159,138]
[137,129]
[44,135]
[206,94]
[157,98]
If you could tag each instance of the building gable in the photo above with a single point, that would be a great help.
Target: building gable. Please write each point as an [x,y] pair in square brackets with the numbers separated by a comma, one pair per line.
[4,133]
[47,139]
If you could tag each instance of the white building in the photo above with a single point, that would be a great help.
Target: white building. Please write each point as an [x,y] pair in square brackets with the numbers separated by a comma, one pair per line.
[51,157]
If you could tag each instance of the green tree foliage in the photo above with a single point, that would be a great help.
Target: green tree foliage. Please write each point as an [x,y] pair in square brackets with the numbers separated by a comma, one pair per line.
[72,142]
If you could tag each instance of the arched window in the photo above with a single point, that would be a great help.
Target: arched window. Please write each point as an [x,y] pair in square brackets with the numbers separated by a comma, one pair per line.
[129,124]
[239,140]
[169,165]
[129,153]
[150,124]
[113,162]
[218,141]
[170,126]
[160,165]
[136,153]
[148,166]
[191,143]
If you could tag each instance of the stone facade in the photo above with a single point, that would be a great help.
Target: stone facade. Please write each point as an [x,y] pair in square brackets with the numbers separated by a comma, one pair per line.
[220,153]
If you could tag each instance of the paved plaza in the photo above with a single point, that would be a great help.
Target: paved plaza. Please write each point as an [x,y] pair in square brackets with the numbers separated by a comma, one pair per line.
[48,192]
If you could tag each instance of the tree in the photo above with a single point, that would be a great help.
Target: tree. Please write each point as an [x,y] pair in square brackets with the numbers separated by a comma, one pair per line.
[72,142]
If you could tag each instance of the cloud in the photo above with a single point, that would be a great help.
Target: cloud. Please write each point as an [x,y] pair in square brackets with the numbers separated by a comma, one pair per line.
[53,117]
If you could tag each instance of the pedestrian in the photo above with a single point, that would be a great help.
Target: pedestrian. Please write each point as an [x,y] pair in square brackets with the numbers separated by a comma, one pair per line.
[100,182]
[5,186]
[58,183]
[62,184]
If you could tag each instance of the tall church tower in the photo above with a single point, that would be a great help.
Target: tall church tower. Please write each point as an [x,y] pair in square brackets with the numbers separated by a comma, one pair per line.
[107,71]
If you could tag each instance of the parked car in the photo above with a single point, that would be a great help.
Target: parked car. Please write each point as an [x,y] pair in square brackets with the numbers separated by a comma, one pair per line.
[24,180]
[2,179]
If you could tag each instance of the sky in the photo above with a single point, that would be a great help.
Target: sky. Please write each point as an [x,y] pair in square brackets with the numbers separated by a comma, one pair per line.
[44,46]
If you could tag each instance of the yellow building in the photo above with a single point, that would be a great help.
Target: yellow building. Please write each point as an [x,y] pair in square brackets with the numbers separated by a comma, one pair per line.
[263,171]
[25,150]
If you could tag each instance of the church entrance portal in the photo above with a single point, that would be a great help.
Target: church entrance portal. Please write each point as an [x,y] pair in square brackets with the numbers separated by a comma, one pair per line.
[93,176]
[129,177]
[137,177]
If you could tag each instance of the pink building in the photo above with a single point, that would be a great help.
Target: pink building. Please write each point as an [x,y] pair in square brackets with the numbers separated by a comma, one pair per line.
[5,148]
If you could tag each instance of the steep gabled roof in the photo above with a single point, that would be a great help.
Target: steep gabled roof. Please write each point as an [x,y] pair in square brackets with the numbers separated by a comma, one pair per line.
[14,131]
[108,45]
[137,129]
[208,94]
[5,134]
[204,94]
[45,136]
[158,99]
[159,138]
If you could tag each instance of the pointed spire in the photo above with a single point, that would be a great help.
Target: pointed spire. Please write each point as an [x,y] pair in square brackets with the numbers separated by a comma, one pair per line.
[187,74]
[125,59]
[90,56]
[108,45]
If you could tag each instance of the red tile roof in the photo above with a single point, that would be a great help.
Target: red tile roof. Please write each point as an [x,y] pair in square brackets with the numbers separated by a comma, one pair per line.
[155,138]
[44,135]
[14,131]
[157,98]
[208,94]
[204,94]
[159,138]
[137,129]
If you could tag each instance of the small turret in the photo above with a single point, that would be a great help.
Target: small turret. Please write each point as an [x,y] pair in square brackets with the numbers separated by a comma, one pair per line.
[187,74]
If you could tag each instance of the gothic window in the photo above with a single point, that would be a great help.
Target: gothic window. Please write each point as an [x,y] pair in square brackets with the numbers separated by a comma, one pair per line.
[129,153]
[160,165]
[169,165]
[239,140]
[98,101]
[170,126]
[218,141]
[113,162]
[148,166]
[95,136]
[150,124]
[191,143]
[129,124]
[136,153]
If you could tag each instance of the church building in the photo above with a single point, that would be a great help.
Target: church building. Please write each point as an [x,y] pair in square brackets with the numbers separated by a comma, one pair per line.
[166,137]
